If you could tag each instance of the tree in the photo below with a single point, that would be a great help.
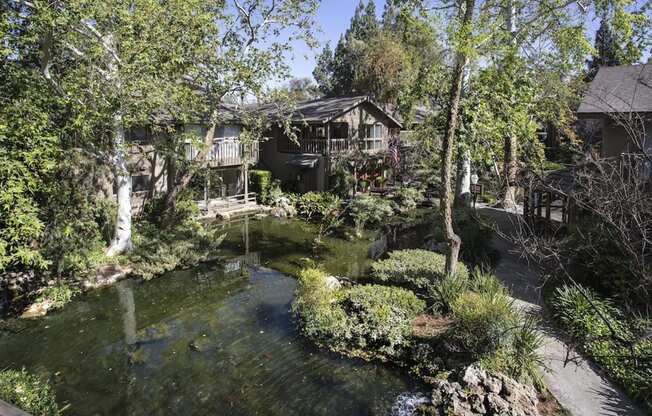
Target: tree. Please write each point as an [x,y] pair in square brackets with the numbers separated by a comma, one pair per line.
[385,68]
[323,72]
[463,50]
[606,48]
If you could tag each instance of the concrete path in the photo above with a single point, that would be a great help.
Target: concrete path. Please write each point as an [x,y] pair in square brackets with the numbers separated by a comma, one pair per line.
[576,383]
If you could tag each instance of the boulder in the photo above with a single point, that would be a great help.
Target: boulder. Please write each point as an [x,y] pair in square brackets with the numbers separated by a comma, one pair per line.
[475,392]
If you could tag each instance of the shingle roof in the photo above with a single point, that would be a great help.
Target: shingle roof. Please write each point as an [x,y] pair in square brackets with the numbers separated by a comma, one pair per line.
[619,89]
[323,110]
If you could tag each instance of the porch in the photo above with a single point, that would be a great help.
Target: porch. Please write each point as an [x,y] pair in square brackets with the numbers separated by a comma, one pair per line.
[226,152]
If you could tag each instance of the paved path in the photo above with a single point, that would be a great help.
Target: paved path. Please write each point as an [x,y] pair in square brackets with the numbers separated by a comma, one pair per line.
[576,383]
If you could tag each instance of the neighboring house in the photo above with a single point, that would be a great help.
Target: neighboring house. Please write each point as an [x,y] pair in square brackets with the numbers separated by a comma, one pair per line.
[620,98]
[326,129]
[150,171]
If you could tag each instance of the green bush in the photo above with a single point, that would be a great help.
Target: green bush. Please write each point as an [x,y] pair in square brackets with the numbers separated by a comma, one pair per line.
[519,358]
[59,294]
[366,320]
[317,205]
[380,317]
[185,210]
[445,291]
[408,198]
[28,393]
[483,321]
[261,182]
[342,181]
[368,210]
[413,267]
[476,232]
[624,355]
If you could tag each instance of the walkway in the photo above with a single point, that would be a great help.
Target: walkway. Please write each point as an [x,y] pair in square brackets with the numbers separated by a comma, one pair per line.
[576,383]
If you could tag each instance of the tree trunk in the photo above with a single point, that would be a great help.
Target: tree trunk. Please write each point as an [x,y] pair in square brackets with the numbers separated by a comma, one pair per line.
[122,237]
[463,188]
[181,184]
[448,143]
[511,172]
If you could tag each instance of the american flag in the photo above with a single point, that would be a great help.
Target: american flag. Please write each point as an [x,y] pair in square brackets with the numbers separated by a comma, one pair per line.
[394,151]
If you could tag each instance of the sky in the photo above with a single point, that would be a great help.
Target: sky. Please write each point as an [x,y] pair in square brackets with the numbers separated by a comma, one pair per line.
[334,17]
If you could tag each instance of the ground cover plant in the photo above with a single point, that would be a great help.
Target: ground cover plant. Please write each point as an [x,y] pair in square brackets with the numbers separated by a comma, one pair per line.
[600,330]
[28,392]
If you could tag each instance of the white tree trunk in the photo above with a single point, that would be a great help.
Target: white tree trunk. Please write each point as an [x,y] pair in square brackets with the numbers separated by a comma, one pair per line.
[122,237]
[464,179]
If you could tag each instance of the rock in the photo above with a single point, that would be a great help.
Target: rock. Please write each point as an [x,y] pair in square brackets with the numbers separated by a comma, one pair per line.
[107,275]
[37,309]
[332,283]
[493,385]
[477,392]
[474,375]
[496,404]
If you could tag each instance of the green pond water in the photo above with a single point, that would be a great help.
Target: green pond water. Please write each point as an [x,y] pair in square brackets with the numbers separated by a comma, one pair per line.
[219,339]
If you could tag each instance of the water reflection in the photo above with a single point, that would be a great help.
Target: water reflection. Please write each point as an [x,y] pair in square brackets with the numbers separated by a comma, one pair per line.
[218,339]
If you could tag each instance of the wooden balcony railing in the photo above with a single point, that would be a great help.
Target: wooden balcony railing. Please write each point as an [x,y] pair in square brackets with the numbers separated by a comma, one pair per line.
[226,152]
[323,146]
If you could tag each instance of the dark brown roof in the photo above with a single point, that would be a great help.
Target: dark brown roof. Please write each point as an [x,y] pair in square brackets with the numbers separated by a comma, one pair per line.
[619,89]
[323,110]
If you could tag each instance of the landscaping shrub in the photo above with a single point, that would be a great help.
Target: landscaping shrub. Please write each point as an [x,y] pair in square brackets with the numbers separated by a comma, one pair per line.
[261,181]
[625,355]
[482,321]
[317,205]
[365,320]
[368,210]
[445,291]
[59,294]
[476,232]
[407,198]
[519,357]
[413,267]
[28,393]
[342,181]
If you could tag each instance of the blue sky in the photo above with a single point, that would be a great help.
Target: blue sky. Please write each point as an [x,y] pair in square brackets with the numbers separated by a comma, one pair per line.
[334,17]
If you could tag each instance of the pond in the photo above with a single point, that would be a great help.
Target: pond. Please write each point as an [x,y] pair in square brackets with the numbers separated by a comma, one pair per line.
[219,339]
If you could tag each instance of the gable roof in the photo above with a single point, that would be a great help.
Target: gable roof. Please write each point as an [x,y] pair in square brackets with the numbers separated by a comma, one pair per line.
[619,89]
[324,110]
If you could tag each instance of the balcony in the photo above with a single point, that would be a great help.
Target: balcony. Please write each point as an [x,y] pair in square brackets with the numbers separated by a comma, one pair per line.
[226,152]
[322,146]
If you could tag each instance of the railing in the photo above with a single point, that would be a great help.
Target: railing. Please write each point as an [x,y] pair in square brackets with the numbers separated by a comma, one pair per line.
[227,203]
[226,152]
[321,145]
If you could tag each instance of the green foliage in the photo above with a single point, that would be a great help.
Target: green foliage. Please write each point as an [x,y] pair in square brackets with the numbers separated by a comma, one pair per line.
[341,181]
[28,393]
[519,357]
[59,294]
[408,198]
[368,210]
[414,268]
[261,182]
[483,321]
[314,206]
[185,211]
[380,317]
[623,354]
[476,232]
[365,320]
[186,242]
[445,291]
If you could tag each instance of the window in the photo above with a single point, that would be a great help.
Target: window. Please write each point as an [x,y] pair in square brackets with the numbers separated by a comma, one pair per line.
[340,131]
[138,134]
[373,131]
[196,129]
[227,130]
[140,183]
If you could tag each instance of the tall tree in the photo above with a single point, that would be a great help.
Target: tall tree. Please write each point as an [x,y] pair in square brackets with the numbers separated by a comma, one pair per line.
[323,72]
[606,48]
[462,53]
